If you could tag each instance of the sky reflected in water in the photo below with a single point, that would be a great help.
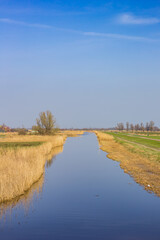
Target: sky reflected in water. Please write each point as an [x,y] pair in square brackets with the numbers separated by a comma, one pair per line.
[83,195]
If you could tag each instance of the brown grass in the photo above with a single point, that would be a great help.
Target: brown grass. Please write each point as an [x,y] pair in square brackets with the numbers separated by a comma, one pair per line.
[22,166]
[23,200]
[145,171]
[73,133]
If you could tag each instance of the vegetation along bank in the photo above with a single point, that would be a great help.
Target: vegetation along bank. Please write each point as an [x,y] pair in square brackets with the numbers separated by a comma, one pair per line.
[138,156]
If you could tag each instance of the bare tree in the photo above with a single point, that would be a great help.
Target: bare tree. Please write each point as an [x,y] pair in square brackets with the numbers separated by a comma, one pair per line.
[127,126]
[156,128]
[151,125]
[117,127]
[132,127]
[147,126]
[120,126]
[142,127]
[45,123]
[137,127]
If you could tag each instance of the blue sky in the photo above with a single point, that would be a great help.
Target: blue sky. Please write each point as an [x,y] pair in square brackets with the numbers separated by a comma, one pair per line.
[92,63]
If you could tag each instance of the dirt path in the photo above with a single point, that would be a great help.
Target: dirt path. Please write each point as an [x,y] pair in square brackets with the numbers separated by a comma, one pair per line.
[150,138]
[145,137]
[155,149]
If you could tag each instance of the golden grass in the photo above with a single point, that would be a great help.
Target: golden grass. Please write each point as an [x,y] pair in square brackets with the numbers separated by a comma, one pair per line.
[22,200]
[145,171]
[21,167]
[72,133]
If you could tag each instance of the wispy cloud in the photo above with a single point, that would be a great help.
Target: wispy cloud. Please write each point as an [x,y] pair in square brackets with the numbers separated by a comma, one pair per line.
[92,34]
[127,18]
[118,36]
[10,21]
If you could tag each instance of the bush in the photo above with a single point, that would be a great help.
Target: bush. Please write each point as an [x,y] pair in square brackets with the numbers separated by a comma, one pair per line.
[22,131]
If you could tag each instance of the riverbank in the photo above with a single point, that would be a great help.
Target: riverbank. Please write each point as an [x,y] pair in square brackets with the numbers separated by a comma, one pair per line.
[142,163]
[22,161]
[72,133]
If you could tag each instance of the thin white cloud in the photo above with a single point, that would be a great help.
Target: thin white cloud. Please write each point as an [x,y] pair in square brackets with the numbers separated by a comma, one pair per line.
[10,21]
[92,34]
[118,36]
[134,20]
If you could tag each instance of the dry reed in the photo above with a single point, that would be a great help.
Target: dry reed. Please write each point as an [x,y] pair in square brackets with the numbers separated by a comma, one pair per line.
[21,167]
[144,171]
[23,200]
[73,133]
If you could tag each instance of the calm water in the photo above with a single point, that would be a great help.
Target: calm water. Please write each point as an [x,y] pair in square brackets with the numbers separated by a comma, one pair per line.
[83,195]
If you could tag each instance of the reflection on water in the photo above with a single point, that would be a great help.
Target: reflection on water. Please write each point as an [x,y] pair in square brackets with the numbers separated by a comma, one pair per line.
[85,196]
[52,155]
[25,200]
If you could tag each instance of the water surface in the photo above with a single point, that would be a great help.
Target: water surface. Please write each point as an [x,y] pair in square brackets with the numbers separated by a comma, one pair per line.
[83,195]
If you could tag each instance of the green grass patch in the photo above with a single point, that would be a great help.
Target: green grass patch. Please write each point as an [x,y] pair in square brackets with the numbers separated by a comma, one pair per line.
[152,137]
[146,133]
[152,155]
[19,144]
[147,142]
[142,136]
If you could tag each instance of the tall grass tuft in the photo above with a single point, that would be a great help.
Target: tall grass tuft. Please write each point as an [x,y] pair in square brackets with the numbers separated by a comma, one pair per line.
[20,167]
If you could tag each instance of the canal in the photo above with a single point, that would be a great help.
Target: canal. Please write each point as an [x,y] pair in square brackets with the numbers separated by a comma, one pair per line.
[82,195]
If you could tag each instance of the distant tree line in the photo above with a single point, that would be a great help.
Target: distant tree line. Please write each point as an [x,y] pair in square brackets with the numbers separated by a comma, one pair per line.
[149,126]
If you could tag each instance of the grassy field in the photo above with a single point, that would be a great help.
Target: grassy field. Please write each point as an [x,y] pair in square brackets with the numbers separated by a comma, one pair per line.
[145,136]
[139,139]
[145,133]
[153,137]
[138,157]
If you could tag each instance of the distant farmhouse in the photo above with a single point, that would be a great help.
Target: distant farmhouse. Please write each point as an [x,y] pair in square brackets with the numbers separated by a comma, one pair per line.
[4,128]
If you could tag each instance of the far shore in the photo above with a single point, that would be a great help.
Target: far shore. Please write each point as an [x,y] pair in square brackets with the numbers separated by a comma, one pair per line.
[141,162]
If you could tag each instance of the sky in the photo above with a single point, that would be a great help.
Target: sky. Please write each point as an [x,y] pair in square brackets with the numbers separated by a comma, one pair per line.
[91,63]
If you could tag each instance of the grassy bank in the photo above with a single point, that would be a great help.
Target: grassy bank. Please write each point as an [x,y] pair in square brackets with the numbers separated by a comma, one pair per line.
[23,200]
[73,133]
[22,161]
[139,139]
[141,162]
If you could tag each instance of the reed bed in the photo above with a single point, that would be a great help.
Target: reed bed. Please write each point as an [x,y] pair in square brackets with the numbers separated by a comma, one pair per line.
[20,167]
[23,200]
[144,168]
[73,133]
